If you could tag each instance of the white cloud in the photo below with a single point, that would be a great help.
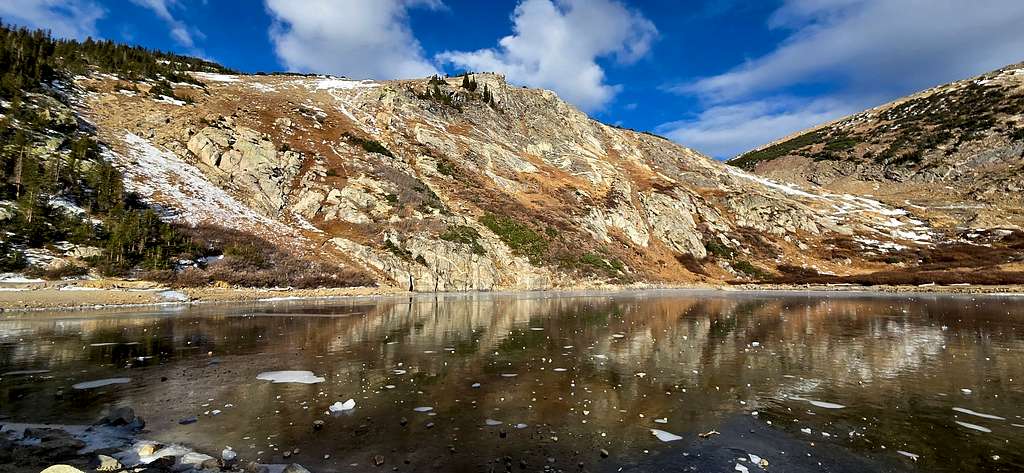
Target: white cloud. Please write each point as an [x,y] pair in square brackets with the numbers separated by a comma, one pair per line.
[556,45]
[356,38]
[900,45]
[728,130]
[179,31]
[865,51]
[65,18]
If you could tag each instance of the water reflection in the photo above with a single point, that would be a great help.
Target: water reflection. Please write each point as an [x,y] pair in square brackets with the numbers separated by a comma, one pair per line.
[592,371]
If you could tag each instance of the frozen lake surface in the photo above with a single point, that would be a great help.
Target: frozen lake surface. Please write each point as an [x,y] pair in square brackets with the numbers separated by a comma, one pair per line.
[630,381]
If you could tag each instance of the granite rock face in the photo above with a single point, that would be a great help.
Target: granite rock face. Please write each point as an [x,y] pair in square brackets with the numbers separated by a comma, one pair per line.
[450,191]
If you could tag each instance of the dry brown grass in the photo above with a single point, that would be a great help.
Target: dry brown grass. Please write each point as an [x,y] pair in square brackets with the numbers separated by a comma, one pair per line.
[250,261]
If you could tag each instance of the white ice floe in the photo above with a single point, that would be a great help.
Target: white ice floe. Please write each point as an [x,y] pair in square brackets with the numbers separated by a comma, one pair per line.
[559,370]
[826,405]
[23,372]
[912,456]
[342,406]
[509,375]
[492,422]
[741,468]
[99,383]
[300,377]
[423,409]
[978,414]
[974,427]
[663,420]
[665,436]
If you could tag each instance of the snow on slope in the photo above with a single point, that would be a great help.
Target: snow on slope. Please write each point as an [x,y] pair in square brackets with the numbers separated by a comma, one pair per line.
[161,177]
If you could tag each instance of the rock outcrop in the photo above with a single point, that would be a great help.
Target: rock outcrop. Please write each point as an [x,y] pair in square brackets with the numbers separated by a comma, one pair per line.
[954,153]
[434,187]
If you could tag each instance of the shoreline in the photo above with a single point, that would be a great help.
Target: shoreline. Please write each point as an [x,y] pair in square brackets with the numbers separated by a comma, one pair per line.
[105,294]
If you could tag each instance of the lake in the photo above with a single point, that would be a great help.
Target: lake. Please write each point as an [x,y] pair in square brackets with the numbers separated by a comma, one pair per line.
[610,381]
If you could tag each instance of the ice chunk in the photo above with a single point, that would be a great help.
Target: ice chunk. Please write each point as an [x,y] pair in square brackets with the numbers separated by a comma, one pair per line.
[912,456]
[974,427]
[23,372]
[826,405]
[228,454]
[665,436]
[492,422]
[423,409]
[663,420]
[342,406]
[99,383]
[509,375]
[741,468]
[301,377]
[978,414]
[559,370]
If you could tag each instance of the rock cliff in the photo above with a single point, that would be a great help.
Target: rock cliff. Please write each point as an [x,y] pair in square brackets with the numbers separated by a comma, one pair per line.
[433,186]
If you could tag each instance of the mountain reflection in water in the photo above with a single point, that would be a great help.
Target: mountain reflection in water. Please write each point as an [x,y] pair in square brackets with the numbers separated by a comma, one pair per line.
[851,381]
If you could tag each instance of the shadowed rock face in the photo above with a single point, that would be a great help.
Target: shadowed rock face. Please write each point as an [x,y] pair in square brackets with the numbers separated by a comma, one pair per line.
[955,152]
[434,187]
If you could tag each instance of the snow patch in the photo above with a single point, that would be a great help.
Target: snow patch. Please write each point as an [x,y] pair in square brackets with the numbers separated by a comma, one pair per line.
[164,178]
[214,77]
[346,84]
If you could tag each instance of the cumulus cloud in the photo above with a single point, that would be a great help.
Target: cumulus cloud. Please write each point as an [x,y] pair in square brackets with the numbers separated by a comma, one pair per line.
[355,38]
[179,31]
[556,45]
[865,51]
[64,18]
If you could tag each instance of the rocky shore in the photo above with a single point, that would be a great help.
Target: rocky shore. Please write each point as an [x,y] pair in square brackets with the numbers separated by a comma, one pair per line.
[106,294]
[115,443]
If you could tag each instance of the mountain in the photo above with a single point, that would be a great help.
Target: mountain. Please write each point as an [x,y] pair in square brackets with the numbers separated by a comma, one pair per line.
[953,153]
[460,183]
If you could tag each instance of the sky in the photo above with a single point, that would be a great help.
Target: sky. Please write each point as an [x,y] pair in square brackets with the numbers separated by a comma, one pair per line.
[719,76]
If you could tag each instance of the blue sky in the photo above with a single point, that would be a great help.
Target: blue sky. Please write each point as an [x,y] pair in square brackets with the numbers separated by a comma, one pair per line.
[721,76]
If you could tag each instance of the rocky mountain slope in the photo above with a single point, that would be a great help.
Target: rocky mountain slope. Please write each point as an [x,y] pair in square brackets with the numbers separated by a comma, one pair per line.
[469,183]
[173,169]
[954,153]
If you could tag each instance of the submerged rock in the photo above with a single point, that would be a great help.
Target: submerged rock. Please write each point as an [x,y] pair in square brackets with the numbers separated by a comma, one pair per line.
[295,468]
